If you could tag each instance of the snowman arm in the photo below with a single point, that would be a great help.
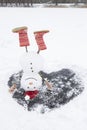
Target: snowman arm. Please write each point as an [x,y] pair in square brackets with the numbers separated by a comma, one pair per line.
[12,88]
[49,85]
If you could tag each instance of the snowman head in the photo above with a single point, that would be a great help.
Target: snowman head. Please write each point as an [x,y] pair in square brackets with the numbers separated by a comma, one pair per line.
[31,82]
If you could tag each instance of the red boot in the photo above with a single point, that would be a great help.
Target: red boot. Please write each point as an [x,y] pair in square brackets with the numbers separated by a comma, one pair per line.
[40,40]
[23,37]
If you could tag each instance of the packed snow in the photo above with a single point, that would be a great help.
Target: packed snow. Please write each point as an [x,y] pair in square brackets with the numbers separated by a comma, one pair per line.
[66,48]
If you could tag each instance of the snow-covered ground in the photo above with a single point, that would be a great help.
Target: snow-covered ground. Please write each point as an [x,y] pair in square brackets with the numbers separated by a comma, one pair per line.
[67,48]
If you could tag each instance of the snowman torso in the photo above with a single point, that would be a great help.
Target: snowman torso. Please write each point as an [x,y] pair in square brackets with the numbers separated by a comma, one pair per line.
[31,62]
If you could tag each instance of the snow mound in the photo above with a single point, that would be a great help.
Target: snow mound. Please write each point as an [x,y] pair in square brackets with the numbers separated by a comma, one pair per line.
[66,85]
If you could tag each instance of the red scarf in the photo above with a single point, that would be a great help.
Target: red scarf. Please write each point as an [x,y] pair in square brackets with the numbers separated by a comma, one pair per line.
[31,94]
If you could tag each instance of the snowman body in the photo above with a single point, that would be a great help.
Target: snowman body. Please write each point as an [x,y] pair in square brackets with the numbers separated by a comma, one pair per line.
[31,81]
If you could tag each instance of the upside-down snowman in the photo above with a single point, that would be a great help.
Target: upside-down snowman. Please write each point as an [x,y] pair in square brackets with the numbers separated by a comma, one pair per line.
[32,63]
[27,85]
[31,81]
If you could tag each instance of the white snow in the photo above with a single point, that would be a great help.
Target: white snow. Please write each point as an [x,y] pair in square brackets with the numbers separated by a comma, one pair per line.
[67,48]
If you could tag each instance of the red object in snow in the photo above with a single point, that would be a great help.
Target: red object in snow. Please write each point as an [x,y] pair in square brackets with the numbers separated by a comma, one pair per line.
[31,94]
[40,40]
[23,37]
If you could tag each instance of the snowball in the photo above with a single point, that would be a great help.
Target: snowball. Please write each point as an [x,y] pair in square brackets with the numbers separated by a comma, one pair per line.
[27,97]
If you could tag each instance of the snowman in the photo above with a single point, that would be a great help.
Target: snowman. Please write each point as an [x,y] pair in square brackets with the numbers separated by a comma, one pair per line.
[31,81]
[25,85]
[31,63]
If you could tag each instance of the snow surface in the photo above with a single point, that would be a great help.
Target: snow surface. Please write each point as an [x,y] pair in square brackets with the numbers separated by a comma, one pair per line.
[67,48]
